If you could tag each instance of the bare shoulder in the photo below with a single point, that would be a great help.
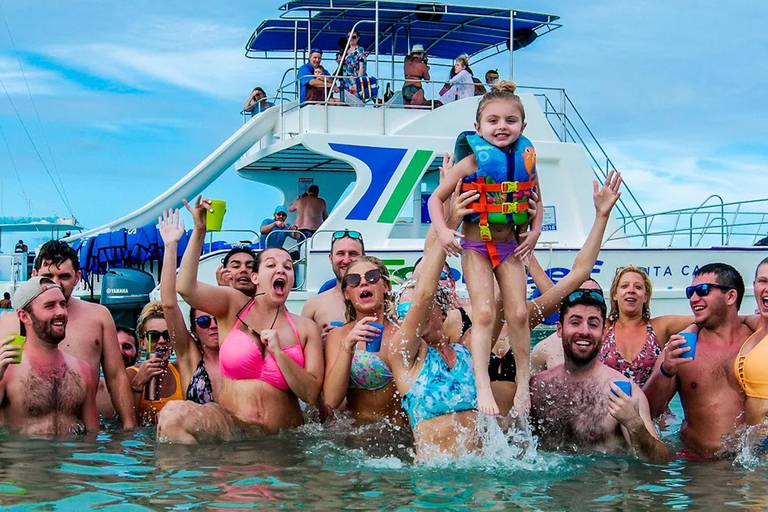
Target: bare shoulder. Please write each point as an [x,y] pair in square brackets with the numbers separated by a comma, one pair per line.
[609,374]
[311,305]
[81,306]
[79,366]
[542,379]
[304,324]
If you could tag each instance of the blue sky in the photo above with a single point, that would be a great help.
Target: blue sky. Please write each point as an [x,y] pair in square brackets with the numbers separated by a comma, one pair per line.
[132,95]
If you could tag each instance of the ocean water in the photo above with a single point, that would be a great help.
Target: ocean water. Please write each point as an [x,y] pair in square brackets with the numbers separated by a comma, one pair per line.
[343,468]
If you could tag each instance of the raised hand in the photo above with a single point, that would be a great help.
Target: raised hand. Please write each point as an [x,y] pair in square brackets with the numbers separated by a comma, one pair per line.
[199,211]
[606,196]
[447,165]
[171,230]
[223,276]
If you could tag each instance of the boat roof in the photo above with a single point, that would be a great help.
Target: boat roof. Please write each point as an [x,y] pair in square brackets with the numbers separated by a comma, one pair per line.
[444,30]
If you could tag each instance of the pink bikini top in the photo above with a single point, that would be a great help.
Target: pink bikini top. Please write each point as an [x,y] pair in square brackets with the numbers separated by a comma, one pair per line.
[240,355]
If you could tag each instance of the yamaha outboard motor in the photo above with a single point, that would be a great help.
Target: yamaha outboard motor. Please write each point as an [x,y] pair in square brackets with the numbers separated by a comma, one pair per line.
[125,291]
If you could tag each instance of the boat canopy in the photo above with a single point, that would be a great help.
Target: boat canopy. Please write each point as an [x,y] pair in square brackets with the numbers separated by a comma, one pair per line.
[444,30]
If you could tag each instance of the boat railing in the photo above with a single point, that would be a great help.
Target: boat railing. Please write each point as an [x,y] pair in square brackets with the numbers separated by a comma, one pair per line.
[568,124]
[714,222]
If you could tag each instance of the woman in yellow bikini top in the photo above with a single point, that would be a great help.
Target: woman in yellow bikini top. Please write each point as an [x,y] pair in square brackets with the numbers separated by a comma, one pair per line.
[751,364]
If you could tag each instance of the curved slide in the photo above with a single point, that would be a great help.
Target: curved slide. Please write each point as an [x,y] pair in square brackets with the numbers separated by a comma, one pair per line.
[198,178]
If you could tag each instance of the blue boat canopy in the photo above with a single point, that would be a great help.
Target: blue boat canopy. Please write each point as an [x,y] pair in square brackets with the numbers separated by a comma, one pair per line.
[444,30]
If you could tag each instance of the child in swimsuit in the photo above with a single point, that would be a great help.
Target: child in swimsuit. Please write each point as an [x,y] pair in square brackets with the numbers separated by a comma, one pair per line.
[496,249]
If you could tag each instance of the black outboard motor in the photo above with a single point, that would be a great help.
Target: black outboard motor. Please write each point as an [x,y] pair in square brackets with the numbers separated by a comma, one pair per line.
[125,291]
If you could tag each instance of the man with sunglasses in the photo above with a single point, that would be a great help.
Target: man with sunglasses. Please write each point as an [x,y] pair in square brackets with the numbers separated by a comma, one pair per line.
[274,231]
[577,405]
[327,307]
[306,74]
[712,399]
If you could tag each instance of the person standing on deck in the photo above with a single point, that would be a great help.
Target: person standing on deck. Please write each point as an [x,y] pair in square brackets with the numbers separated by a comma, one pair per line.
[306,75]
[312,211]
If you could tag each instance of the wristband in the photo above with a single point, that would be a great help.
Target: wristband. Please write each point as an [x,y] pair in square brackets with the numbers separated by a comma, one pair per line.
[664,373]
[345,349]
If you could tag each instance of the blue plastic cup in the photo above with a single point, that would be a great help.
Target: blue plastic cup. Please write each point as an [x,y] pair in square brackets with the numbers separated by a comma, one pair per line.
[337,324]
[374,345]
[623,385]
[690,341]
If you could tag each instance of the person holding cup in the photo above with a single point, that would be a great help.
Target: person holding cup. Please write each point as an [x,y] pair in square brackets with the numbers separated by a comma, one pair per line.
[156,381]
[713,401]
[44,391]
[355,368]
[585,405]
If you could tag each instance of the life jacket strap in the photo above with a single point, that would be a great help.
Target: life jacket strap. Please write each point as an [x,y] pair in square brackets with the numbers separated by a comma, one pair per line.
[493,254]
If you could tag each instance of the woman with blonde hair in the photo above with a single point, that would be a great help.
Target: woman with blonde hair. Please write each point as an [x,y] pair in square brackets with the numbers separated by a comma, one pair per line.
[633,340]
[461,85]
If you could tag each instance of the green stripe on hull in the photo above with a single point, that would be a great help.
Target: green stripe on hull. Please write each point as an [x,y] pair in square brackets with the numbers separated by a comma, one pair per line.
[403,189]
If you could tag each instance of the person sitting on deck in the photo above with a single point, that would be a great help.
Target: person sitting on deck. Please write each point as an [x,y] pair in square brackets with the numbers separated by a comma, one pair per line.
[306,75]
[319,94]
[274,231]
[257,102]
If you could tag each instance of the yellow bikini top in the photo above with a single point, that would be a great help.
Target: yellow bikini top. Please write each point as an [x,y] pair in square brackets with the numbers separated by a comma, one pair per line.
[752,369]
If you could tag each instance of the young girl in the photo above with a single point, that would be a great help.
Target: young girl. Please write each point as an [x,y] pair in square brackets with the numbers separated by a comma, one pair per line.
[492,244]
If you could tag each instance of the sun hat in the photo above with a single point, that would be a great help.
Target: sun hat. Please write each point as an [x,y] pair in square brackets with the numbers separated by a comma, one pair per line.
[32,289]
[417,48]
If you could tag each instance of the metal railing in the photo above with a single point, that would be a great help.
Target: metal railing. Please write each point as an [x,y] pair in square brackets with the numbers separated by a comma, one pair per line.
[740,223]
[298,252]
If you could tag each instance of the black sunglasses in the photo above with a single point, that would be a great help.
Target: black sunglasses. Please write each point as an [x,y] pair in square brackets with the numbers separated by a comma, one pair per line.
[204,321]
[583,294]
[703,289]
[154,336]
[353,280]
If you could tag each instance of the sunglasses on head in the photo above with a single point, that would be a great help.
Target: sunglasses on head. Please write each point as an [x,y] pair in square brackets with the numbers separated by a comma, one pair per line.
[445,275]
[354,235]
[582,294]
[154,336]
[402,309]
[353,280]
[204,321]
[703,289]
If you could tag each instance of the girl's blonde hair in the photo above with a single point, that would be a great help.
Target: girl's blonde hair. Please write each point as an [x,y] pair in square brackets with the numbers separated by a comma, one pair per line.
[614,315]
[153,310]
[464,59]
[390,308]
[504,90]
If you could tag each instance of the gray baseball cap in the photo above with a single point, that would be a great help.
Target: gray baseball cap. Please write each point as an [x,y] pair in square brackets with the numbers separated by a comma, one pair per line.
[32,289]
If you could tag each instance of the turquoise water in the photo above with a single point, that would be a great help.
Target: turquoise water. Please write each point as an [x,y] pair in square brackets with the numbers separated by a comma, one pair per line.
[335,468]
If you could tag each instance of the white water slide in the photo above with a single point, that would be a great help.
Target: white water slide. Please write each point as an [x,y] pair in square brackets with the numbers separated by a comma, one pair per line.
[198,178]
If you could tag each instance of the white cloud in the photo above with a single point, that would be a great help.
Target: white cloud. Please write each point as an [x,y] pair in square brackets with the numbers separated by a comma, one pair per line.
[202,56]
[40,81]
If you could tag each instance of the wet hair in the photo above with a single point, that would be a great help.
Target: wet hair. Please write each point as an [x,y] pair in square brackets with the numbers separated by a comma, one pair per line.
[132,334]
[442,295]
[237,250]
[152,311]
[260,256]
[390,307]
[504,90]
[7,296]
[615,286]
[314,188]
[727,276]
[57,252]
[757,269]
[583,299]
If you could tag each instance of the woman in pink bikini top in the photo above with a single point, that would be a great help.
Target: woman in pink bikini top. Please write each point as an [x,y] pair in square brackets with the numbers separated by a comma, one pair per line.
[269,359]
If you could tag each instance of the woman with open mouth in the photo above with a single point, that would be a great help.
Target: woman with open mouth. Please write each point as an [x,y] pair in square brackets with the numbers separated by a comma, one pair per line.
[269,358]
[354,370]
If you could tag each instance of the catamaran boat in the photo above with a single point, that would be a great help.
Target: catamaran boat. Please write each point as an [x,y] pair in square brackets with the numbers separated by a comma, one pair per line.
[376,164]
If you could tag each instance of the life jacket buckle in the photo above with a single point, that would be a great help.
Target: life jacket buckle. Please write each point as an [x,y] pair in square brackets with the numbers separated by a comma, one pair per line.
[485,233]
[508,187]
